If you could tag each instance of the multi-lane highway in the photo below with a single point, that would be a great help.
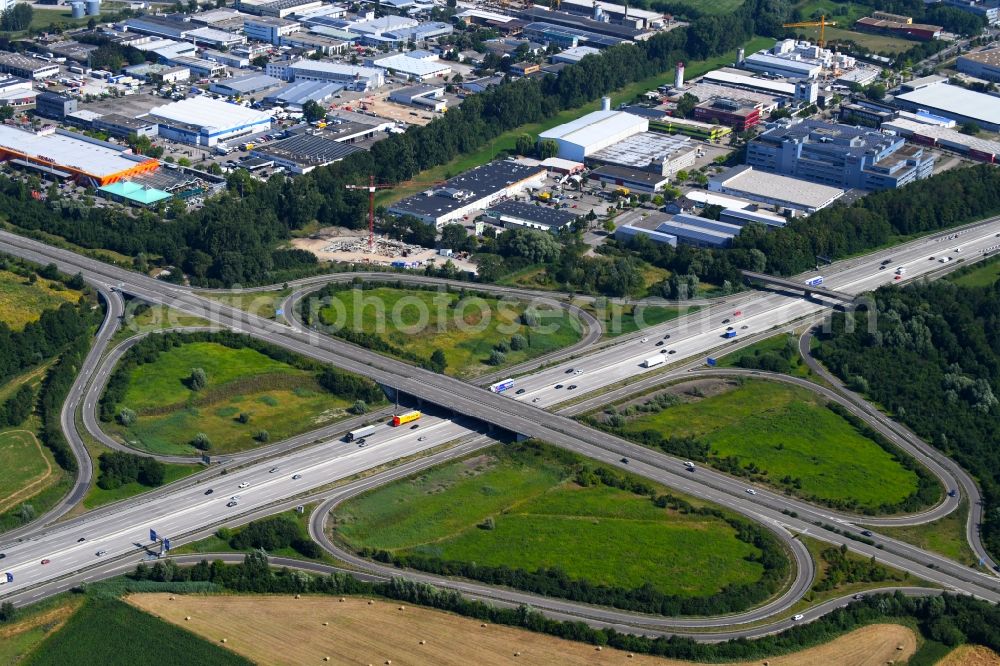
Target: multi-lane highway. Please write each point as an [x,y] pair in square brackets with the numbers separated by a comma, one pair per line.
[613,363]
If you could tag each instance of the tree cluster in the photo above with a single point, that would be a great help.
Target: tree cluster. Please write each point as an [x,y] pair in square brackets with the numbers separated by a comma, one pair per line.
[16,409]
[118,468]
[17,17]
[275,533]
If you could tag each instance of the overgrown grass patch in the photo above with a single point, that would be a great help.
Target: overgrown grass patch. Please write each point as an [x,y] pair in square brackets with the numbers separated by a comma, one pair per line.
[23,301]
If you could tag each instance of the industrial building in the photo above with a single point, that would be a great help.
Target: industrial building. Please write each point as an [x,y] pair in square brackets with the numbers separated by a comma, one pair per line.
[626,233]
[67,155]
[700,231]
[351,76]
[840,156]
[864,112]
[470,192]
[122,127]
[304,152]
[576,22]
[294,95]
[930,134]
[25,67]
[956,102]
[806,92]
[575,54]
[16,92]
[244,85]
[794,195]
[157,73]
[269,28]
[416,69]
[635,180]
[988,9]
[308,41]
[431,97]
[279,8]
[744,216]
[204,121]
[200,67]
[981,64]
[785,67]
[565,37]
[662,154]
[632,17]
[911,30]
[521,215]
[581,137]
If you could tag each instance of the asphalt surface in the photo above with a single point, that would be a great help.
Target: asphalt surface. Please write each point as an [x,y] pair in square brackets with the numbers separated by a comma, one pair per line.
[524,418]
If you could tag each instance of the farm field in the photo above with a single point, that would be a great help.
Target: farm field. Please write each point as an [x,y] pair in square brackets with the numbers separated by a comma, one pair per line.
[22,302]
[33,625]
[359,633]
[110,632]
[418,322]
[283,399]
[540,516]
[787,432]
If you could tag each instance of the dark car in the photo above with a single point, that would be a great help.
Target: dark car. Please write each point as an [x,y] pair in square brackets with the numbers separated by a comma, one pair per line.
[231,503]
[729,328]
[362,441]
[519,391]
[952,492]
[559,386]
[46,561]
[3,555]
[660,343]
[81,539]
[414,426]
[666,337]
[625,460]
[866,533]
[570,371]
[571,387]
[725,321]
[672,351]
[209,491]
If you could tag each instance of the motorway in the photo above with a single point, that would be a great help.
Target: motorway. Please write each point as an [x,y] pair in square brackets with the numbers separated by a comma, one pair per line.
[525,417]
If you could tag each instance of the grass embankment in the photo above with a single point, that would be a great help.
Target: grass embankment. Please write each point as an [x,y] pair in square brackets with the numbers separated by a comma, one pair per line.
[359,632]
[420,321]
[110,632]
[541,518]
[945,536]
[785,431]
[277,397]
[23,300]
[779,353]
[618,319]
[146,319]
[538,276]
[984,274]
[26,467]
[261,303]
[506,141]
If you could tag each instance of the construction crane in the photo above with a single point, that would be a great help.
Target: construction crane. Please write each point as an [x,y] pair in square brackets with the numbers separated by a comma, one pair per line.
[821,24]
[371,187]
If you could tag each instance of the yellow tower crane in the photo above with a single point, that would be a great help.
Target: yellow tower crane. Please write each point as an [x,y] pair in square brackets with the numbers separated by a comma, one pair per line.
[821,24]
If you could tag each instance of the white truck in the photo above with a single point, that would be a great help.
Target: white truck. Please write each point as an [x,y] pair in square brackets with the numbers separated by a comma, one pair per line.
[653,361]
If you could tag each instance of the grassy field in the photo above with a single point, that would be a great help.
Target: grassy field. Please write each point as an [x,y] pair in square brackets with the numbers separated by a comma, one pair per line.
[361,633]
[35,624]
[26,467]
[984,275]
[22,302]
[541,519]
[420,321]
[261,303]
[110,632]
[879,43]
[786,430]
[618,319]
[282,399]
[970,655]
[945,536]
[713,7]
[775,344]
[507,140]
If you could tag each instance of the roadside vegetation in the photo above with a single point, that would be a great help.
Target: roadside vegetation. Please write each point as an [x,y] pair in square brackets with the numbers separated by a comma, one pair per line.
[945,536]
[461,333]
[982,274]
[778,434]
[22,630]
[624,318]
[932,362]
[282,535]
[197,393]
[518,514]
[779,353]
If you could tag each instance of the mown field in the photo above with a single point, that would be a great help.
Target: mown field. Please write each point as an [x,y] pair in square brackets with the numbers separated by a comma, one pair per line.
[361,633]
[787,431]
[22,301]
[109,632]
[421,321]
[27,468]
[277,397]
[543,519]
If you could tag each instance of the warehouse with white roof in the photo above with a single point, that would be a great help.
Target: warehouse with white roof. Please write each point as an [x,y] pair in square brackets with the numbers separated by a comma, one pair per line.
[203,121]
[956,102]
[795,195]
[417,69]
[594,131]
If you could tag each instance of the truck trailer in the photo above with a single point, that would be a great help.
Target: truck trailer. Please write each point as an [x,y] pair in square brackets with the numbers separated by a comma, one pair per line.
[406,417]
[653,361]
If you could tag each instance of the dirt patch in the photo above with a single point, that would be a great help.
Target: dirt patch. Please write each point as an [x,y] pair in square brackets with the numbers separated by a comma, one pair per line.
[971,655]
[284,630]
[351,246]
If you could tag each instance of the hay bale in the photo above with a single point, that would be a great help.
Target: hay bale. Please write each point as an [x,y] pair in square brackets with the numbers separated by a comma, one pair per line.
[297,596]
[423,642]
[342,600]
[483,625]
[370,602]
[187,617]
[326,624]
[223,640]
[402,607]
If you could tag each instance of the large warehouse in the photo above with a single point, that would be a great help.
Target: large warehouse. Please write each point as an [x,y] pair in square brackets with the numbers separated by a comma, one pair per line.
[203,121]
[956,102]
[594,131]
[794,195]
[471,192]
[65,154]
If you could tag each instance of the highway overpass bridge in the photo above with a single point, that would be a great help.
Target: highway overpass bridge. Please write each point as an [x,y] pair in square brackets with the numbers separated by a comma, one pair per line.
[807,290]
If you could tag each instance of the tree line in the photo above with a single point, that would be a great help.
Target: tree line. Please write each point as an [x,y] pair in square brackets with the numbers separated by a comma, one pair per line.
[949,619]
[932,359]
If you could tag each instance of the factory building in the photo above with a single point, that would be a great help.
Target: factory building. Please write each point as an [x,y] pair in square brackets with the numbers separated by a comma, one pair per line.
[576,22]
[635,180]
[351,76]
[960,104]
[203,121]
[840,156]
[662,154]
[295,95]
[416,69]
[897,28]
[25,67]
[470,192]
[744,216]
[308,41]
[932,134]
[278,8]
[66,155]
[122,127]
[574,55]
[632,17]
[794,195]
[18,93]
[269,28]
[244,85]
[521,215]
[981,64]
[581,137]
[626,233]
[158,73]
[427,96]
[304,152]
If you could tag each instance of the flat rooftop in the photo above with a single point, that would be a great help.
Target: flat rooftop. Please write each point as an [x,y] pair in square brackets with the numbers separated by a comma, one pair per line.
[135,192]
[780,188]
[596,125]
[541,215]
[209,113]
[63,149]
[631,175]
[990,57]
[406,64]
[956,100]
[735,78]
[467,188]
[639,150]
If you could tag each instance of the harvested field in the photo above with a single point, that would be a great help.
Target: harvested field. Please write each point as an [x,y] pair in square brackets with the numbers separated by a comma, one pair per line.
[971,655]
[284,630]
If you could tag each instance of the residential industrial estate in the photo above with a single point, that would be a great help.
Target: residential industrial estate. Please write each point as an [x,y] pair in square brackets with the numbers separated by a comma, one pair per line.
[604,331]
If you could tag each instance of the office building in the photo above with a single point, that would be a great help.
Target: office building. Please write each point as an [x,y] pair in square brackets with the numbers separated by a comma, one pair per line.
[269,28]
[56,107]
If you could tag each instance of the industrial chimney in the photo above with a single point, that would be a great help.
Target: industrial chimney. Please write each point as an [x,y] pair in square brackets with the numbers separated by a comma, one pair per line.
[740,55]
[605,104]
[679,76]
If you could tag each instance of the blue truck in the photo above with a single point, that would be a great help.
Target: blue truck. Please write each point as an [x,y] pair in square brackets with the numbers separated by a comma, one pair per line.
[729,334]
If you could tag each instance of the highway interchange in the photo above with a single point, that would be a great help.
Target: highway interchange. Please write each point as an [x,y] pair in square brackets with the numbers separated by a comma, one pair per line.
[185,512]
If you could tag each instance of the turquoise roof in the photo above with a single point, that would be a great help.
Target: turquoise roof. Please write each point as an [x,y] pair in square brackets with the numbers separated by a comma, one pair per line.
[126,189]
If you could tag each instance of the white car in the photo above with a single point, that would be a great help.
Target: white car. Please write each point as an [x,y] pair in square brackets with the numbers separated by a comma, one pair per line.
[751,491]
[245,484]
[798,617]
[644,340]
